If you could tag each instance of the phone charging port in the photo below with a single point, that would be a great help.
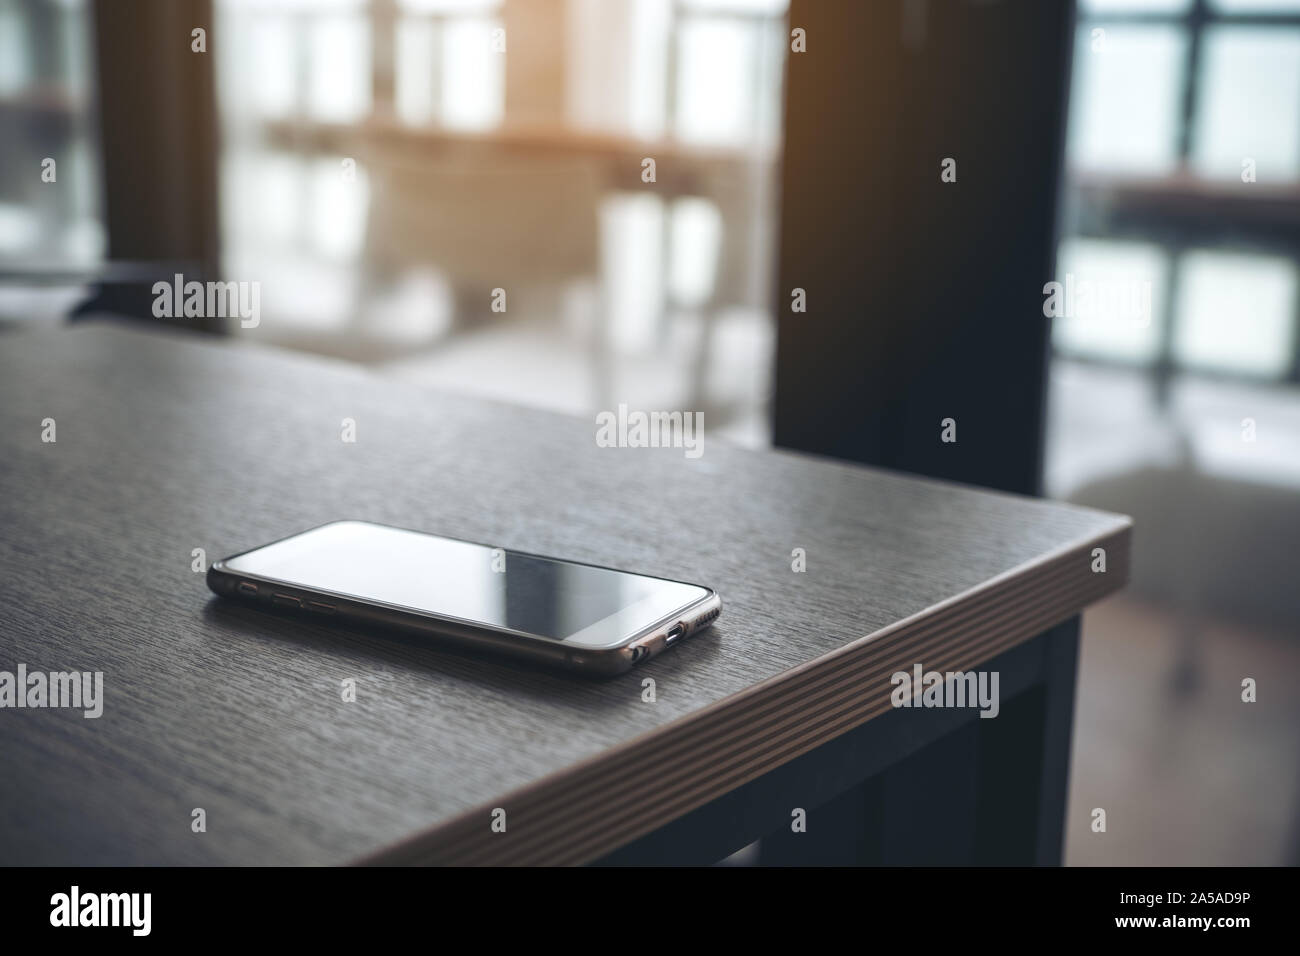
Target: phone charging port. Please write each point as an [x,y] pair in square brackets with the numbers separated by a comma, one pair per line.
[674,632]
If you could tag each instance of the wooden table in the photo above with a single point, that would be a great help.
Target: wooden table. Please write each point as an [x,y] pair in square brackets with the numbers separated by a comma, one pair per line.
[167,443]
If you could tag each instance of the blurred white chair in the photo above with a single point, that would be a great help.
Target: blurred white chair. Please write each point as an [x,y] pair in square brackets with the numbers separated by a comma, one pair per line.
[485,223]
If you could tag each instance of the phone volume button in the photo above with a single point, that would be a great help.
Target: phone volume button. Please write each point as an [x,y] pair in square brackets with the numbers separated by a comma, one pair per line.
[285,600]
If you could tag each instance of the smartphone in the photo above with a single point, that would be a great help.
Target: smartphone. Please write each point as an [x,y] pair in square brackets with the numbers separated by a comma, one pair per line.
[578,616]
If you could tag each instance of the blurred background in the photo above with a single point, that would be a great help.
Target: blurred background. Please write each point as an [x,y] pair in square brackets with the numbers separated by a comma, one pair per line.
[382,166]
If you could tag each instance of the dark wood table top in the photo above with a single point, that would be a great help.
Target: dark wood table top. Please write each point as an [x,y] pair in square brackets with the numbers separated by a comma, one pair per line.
[167,443]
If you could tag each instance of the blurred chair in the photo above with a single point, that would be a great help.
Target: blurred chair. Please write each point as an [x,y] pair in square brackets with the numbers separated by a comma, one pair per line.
[1209,546]
[506,222]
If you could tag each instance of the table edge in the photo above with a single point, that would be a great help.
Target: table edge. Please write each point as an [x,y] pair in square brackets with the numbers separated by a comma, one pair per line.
[591,808]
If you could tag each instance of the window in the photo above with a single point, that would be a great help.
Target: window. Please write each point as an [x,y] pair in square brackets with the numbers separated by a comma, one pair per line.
[1249,102]
[50,213]
[1184,166]
[1235,313]
[1127,84]
[446,69]
[1116,292]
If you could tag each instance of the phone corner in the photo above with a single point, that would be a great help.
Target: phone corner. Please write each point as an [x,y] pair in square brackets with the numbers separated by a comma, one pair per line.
[217,578]
[603,664]
[712,603]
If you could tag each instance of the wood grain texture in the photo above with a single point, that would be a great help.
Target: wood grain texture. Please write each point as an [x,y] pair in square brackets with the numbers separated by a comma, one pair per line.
[167,443]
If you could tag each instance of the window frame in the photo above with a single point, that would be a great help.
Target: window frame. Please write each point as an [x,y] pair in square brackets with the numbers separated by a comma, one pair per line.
[1185,212]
